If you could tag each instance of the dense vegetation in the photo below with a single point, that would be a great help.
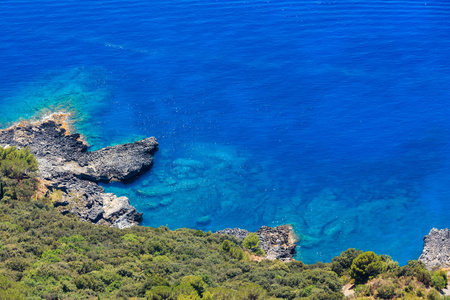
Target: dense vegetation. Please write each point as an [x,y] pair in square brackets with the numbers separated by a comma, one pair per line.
[45,255]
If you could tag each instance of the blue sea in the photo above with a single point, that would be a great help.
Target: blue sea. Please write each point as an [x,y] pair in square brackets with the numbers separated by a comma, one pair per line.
[331,116]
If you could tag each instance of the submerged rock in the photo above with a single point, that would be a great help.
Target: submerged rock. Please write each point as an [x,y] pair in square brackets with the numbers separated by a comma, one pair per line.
[278,242]
[68,167]
[436,249]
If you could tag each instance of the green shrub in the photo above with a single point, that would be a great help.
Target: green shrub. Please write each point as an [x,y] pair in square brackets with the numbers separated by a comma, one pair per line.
[251,241]
[237,253]
[306,291]
[160,293]
[18,170]
[433,295]
[411,269]
[344,260]
[196,282]
[424,276]
[18,264]
[366,266]
[226,246]
[438,281]
[251,292]
[259,252]
[420,293]
[10,290]
[17,164]
[89,281]
[409,289]
[386,291]
[220,293]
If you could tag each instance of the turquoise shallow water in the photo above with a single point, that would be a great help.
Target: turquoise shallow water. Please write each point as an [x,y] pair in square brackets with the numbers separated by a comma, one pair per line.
[330,116]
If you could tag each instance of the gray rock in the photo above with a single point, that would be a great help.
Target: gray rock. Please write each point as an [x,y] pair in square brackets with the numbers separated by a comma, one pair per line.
[436,249]
[277,242]
[65,162]
[236,232]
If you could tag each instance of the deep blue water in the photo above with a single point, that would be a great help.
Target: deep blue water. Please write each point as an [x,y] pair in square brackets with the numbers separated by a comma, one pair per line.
[331,116]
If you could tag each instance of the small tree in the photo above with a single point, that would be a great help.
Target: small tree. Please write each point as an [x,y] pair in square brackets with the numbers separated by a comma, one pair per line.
[438,281]
[251,291]
[344,260]
[18,171]
[226,246]
[366,266]
[251,241]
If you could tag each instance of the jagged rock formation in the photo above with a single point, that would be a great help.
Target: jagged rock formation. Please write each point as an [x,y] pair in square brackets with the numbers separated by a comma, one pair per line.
[277,242]
[67,166]
[436,249]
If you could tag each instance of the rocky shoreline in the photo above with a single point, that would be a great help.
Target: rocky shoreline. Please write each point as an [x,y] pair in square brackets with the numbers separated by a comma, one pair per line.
[278,242]
[72,173]
[436,249]
[69,175]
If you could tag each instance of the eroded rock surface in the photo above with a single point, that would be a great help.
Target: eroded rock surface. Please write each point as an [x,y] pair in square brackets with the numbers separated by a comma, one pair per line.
[66,164]
[278,242]
[436,249]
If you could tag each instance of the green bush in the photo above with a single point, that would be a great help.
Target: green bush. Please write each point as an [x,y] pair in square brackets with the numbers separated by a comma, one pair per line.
[433,295]
[438,282]
[366,266]
[160,293]
[386,291]
[259,252]
[420,293]
[17,163]
[226,246]
[220,293]
[89,281]
[196,282]
[18,169]
[344,261]
[424,276]
[251,292]
[251,241]
[10,290]
[237,253]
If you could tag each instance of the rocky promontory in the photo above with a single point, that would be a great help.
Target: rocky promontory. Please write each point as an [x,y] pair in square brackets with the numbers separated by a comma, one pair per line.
[436,249]
[277,242]
[71,173]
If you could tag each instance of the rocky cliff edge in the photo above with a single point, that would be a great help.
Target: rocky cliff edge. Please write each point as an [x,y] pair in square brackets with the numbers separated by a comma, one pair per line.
[436,249]
[73,173]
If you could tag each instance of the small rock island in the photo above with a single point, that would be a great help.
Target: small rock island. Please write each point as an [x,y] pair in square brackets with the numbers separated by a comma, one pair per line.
[72,172]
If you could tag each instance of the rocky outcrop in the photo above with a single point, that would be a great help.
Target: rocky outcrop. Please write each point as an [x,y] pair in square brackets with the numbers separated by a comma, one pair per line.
[66,166]
[277,242]
[436,249]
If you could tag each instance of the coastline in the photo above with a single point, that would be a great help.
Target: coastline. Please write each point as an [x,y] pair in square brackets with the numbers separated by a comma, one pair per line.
[72,173]
[67,166]
[108,209]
